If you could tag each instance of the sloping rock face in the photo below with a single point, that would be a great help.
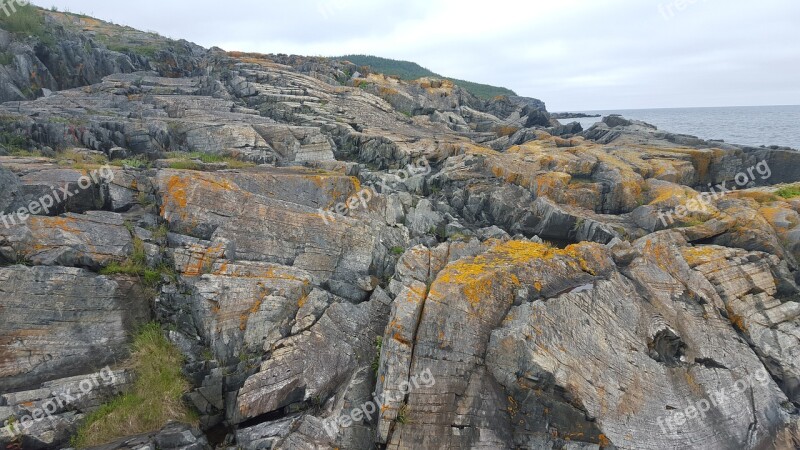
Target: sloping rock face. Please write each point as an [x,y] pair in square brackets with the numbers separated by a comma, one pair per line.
[76,51]
[46,331]
[348,260]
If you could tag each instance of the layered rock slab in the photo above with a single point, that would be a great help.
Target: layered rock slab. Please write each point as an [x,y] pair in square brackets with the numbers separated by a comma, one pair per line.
[467,300]
[272,230]
[58,321]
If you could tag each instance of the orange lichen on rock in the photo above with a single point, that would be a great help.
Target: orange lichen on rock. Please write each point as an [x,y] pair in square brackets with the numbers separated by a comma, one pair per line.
[697,256]
[44,223]
[205,260]
[387,91]
[473,276]
[735,319]
[175,194]
[779,215]
[549,184]
[505,130]
[757,195]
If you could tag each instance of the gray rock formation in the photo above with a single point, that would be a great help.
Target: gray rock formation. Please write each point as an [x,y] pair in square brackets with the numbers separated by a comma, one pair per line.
[354,261]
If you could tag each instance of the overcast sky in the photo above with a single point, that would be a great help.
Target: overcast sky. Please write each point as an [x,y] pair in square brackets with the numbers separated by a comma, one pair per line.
[573,54]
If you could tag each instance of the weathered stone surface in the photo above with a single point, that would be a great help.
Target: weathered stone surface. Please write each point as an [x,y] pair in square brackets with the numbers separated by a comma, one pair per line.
[239,306]
[467,300]
[91,240]
[174,436]
[276,279]
[314,363]
[64,403]
[761,300]
[270,230]
[58,321]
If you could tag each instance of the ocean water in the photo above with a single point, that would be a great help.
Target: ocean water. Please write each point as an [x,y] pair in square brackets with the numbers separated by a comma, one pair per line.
[749,125]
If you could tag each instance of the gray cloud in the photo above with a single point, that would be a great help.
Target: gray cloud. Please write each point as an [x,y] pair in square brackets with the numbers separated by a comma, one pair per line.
[573,54]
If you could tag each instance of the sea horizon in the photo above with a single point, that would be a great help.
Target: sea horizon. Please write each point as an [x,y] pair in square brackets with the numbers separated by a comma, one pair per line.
[766,125]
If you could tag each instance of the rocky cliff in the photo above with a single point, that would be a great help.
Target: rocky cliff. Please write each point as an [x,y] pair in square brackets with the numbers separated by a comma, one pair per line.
[355,261]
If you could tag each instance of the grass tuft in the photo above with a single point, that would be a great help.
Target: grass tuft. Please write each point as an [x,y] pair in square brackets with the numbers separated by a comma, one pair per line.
[154,400]
[6,58]
[80,160]
[188,161]
[26,21]
[402,414]
[789,191]
[136,265]
[376,363]
[137,162]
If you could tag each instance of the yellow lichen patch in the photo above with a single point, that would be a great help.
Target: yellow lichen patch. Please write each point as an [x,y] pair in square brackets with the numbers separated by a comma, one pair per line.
[472,276]
[550,184]
[692,382]
[757,195]
[779,214]
[221,183]
[318,181]
[253,309]
[697,256]
[356,184]
[418,291]
[667,195]
[275,273]
[302,301]
[387,91]
[658,253]
[478,276]
[701,159]
[472,149]
[506,130]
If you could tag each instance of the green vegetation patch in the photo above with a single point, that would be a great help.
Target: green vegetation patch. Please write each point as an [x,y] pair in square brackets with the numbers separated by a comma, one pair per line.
[12,141]
[188,160]
[154,400]
[789,191]
[6,58]
[28,20]
[136,265]
[408,70]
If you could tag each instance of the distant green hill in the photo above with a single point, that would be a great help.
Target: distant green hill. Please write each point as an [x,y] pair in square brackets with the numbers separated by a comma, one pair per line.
[408,70]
